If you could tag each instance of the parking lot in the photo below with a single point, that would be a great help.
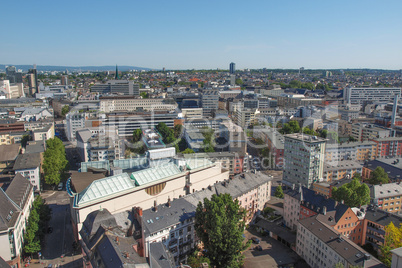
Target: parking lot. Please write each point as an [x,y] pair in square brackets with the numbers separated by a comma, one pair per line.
[273,253]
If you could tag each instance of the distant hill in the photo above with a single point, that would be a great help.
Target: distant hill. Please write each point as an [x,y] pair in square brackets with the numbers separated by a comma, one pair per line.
[75,68]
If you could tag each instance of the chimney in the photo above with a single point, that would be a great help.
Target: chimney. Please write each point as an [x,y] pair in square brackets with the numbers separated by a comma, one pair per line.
[324,210]
[155,206]
[168,202]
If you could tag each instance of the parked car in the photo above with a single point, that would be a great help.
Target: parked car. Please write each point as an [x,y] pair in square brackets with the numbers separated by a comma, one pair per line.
[255,240]
[259,248]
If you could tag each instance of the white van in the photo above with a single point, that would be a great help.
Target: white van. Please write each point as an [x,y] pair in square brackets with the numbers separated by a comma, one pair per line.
[60,187]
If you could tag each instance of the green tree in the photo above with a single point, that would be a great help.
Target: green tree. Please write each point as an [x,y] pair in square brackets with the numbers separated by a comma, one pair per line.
[324,133]
[393,239]
[25,140]
[378,176]
[195,260]
[239,82]
[219,224]
[166,132]
[55,163]
[188,151]
[144,95]
[353,194]
[65,110]
[279,192]
[178,129]
[358,176]
[137,134]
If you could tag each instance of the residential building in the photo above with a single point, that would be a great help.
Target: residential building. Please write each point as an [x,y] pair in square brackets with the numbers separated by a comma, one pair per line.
[6,138]
[28,165]
[44,133]
[275,142]
[334,171]
[104,148]
[357,95]
[374,225]
[16,203]
[172,222]
[348,115]
[246,117]
[107,241]
[8,155]
[123,87]
[130,104]
[358,151]
[296,100]
[304,159]
[209,102]
[387,197]
[313,123]
[388,147]
[83,136]
[11,90]
[364,132]
[322,246]
[391,166]
[235,140]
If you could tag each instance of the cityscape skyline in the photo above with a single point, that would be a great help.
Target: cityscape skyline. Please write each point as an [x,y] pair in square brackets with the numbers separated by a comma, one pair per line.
[283,35]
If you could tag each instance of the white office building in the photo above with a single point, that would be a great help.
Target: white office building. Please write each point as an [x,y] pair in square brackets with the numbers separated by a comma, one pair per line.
[357,95]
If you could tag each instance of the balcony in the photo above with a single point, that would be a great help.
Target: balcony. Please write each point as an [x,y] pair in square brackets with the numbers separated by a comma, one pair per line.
[379,231]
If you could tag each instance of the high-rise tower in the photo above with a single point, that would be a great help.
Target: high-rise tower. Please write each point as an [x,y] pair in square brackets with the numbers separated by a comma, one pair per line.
[232,68]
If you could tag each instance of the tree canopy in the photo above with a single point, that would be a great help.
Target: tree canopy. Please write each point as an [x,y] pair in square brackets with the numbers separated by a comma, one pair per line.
[219,225]
[279,192]
[209,139]
[378,176]
[166,132]
[65,110]
[137,134]
[354,194]
[55,163]
[393,239]
[291,127]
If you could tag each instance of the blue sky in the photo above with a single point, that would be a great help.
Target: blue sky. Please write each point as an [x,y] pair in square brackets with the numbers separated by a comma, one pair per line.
[204,34]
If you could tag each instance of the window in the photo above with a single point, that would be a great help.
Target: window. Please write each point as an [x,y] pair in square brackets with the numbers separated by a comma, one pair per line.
[172,235]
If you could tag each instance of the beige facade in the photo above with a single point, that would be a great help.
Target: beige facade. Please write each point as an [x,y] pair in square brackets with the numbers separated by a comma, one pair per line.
[6,139]
[130,104]
[192,113]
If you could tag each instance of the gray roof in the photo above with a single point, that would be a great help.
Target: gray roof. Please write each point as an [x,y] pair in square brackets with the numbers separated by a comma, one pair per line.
[350,144]
[19,190]
[97,218]
[85,134]
[178,211]
[383,218]
[341,165]
[9,152]
[8,212]
[348,250]
[160,256]
[385,190]
[35,147]
[27,161]
[305,138]
[394,171]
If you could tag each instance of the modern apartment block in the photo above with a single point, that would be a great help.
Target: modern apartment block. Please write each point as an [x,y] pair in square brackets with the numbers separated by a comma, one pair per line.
[364,132]
[275,142]
[304,159]
[341,169]
[387,197]
[357,95]
[246,117]
[388,147]
[322,246]
[130,104]
[358,151]
[124,87]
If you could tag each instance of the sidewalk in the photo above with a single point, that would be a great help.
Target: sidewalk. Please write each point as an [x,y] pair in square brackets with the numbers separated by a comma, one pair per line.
[68,262]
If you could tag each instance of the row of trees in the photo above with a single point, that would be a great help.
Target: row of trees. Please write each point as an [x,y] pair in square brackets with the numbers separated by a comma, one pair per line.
[36,228]
[55,164]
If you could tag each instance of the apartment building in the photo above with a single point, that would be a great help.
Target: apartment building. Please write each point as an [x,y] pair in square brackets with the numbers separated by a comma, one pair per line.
[28,165]
[374,225]
[388,147]
[357,95]
[304,159]
[358,151]
[16,203]
[387,197]
[246,117]
[364,132]
[130,104]
[275,142]
[341,169]
[391,166]
[322,246]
